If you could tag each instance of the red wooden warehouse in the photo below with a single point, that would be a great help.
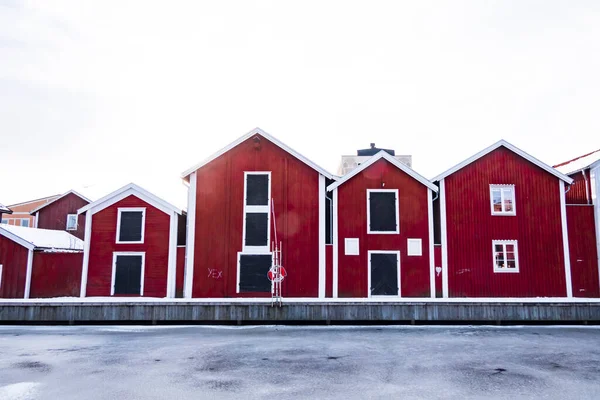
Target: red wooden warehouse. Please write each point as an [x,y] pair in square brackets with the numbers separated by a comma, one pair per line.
[254,192]
[583,222]
[61,214]
[39,262]
[383,231]
[130,245]
[503,226]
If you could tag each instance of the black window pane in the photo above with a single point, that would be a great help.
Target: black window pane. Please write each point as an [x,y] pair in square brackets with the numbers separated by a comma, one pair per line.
[382,209]
[253,273]
[257,190]
[384,274]
[131,226]
[257,225]
[128,275]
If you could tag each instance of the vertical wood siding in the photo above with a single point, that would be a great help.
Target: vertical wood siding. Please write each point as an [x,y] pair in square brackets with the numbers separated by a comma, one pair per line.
[219,217]
[577,192]
[352,223]
[471,229]
[103,244]
[13,257]
[582,248]
[54,216]
[437,250]
[55,275]
[329,270]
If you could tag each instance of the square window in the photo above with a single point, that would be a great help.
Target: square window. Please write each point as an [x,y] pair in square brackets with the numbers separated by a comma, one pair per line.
[130,225]
[414,247]
[351,247]
[25,222]
[382,211]
[505,256]
[502,198]
[72,222]
[253,272]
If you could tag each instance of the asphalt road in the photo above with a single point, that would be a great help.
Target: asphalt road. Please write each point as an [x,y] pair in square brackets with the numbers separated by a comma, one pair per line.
[271,362]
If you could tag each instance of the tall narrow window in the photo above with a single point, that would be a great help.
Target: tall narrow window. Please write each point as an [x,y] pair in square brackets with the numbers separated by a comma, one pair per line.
[382,211]
[257,221]
[506,256]
[72,222]
[502,199]
[128,274]
[130,225]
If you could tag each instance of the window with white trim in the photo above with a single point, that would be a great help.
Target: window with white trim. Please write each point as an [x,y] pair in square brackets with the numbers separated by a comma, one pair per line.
[257,215]
[25,222]
[502,199]
[131,223]
[382,211]
[5,221]
[128,273]
[506,255]
[414,247]
[72,222]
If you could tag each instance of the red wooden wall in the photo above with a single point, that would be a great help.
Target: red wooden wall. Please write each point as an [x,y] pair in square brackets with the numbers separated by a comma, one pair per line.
[577,193]
[180,273]
[56,275]
[103,244]
[437,251]
[54,216]
[219,218]
[583,252]
[471,229]
[352,223]
[13,258]
[329,270]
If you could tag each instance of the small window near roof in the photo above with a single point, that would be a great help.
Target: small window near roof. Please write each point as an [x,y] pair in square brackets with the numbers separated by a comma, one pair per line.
[130,225]
[506,256]
[502,199]
[25,222]
[382,211]
[72,222]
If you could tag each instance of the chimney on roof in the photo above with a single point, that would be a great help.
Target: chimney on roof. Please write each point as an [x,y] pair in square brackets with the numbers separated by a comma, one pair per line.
[372,145]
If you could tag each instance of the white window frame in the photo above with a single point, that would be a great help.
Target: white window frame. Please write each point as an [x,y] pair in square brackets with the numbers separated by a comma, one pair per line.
[28,222]
[397,252]
[67,227]
[239,258]
[126,209]
[416,241]
[501,188]
[256,209]
[114,268]
[504,243]
[369,231]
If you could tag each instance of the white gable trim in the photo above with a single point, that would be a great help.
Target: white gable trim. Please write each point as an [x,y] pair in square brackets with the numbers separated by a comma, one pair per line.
[257,131]
[125,191]
[393,161]
[510,147]
[16,239]
[60,197]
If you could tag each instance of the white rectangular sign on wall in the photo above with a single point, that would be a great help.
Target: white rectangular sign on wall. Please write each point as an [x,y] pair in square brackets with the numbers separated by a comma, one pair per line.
[415,247]
[351,248]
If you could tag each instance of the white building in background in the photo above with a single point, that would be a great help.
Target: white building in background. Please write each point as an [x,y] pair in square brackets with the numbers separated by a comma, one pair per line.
[348,163]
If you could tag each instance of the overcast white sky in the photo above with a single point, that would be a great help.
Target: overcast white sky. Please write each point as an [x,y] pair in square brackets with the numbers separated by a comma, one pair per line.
[95,94]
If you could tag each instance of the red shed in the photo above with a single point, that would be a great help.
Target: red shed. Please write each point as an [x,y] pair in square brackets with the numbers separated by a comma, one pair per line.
[130,245]
[252,193]
[504,226]
[61,214]
[38,262]
[383,231]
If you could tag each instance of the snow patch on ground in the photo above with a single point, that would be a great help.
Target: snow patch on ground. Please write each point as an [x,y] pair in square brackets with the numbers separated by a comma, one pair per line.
[19,391]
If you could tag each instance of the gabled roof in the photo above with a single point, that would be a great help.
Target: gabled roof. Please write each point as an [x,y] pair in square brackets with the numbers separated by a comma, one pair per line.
[58,198]
[579,163]
[125,191]
[4,209]
[393,161]
[504,143]
[48,198]
[34,238]
[258,131]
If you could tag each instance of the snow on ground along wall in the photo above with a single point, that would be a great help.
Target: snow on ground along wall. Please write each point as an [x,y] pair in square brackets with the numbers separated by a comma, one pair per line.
[471,229]
[41,363]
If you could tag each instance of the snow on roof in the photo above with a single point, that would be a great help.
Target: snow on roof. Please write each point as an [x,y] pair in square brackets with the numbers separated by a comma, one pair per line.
[34,238]
[60,197]
[579,163]
[4,209]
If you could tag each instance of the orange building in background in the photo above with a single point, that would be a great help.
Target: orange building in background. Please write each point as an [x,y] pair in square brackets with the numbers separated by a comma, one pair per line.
[20,212]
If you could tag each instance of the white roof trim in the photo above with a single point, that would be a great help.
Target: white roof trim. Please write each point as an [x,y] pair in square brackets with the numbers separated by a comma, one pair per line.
[258,131]
[60,197]
[382,154]
[125,191]
[17,239]
[510,147]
